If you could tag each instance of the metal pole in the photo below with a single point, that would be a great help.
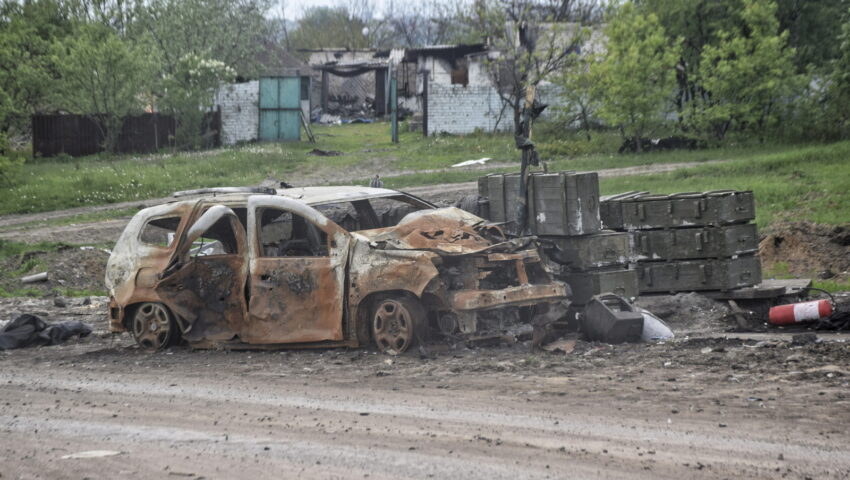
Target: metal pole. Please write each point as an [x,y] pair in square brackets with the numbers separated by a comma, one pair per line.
[394,108]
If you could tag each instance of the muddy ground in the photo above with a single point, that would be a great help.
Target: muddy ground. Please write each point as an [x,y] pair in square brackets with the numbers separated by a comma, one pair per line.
[708,404]
[711,403]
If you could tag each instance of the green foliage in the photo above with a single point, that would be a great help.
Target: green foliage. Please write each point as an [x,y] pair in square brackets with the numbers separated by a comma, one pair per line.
[232,32]
[27,31]
[579,96]
[349,31]
[838,91]
[102,74]
[188,93]
[9,161]
[746,75]
[635,78]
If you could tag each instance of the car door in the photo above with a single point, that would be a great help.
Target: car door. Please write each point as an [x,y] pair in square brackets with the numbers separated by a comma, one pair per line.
[204,283]
[297,271]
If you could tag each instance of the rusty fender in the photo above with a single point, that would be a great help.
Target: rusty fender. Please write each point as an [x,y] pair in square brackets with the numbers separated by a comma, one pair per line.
[373,270]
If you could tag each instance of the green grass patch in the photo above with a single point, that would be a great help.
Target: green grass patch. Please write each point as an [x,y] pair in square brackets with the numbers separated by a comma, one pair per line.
[803,183]
[832,286]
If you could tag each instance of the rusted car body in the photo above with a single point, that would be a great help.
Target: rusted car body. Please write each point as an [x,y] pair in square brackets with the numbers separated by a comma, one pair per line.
[274,270]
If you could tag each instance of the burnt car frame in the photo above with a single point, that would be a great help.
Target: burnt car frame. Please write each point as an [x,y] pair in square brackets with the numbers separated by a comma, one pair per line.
[272,270]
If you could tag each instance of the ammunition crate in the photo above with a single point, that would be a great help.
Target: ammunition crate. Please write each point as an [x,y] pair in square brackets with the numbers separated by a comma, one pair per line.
[586,285]
[502,192]
[688,243]
[603,249]
[640,211]
[694,275]
[564,203]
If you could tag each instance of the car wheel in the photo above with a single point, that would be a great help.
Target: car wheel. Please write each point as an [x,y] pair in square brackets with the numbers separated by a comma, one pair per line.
[153,326]
[396,323]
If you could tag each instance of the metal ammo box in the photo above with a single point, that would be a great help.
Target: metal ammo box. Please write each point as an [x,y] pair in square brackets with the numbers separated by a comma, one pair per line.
[564,203]
[695,242]
[642,211]
[585,285]
[610,318]
[692,275]
[602,249]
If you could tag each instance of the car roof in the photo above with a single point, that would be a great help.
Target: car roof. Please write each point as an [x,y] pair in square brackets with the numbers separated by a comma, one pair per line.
[308,195]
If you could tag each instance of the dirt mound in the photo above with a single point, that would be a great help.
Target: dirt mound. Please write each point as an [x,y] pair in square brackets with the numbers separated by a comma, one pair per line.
[807,249]
[79,270]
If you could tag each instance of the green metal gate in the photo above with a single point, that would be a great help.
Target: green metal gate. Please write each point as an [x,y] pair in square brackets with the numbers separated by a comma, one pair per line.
[280,108]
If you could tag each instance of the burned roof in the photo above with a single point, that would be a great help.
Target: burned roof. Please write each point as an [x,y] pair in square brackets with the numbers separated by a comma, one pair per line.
[308,195]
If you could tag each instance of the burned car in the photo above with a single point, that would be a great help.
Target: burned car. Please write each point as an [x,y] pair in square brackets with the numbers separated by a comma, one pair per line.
[316,267]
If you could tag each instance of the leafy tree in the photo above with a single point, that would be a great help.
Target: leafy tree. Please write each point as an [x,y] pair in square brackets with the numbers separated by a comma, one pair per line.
[188,94]
[27,31]
[578,96]
[102,75]
[330,27]
[813,27]
[747,74]
[697,23]
[230,31]
[838,90]
[636,77]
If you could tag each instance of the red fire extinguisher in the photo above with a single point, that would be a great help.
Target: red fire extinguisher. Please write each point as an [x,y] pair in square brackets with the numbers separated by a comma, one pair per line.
[800,312]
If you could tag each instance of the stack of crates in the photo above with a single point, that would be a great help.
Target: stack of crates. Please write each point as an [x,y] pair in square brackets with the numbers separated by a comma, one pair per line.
[688,241]
[563,211]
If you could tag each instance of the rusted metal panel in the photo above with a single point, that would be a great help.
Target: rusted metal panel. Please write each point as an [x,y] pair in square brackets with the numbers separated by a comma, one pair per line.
[513,296]
[206,292]
[296,299]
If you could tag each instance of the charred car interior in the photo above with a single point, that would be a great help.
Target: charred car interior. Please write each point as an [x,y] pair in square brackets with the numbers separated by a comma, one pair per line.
[319,267]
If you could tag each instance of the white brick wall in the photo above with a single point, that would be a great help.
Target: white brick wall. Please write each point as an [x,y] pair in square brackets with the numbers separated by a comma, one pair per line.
[240,115]
[457,109]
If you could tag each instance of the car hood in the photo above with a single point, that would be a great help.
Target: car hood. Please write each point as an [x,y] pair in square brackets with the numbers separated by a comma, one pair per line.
[448,231]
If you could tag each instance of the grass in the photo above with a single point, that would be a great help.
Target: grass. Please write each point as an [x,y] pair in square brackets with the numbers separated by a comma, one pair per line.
[61,183]
[800,183]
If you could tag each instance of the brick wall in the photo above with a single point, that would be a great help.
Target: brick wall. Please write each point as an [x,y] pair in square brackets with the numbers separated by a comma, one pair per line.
[240,116]
[457,109]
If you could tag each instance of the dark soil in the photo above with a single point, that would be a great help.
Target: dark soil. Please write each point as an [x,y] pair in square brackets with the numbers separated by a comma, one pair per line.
[808,249]
[78,269]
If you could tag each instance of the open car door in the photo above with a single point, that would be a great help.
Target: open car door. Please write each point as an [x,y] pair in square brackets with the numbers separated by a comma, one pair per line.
[298,261]
[204,283]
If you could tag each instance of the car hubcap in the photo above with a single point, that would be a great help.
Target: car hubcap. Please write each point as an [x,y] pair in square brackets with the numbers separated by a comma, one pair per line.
[393,327]
[151,326]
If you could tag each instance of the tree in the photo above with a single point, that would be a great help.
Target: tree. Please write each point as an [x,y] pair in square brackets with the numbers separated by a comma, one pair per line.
[231,31]
[27,70]
[531,40]
[636,79]
[577,87]
[330,27]
[747,74]
[102,75]
[188,95]
[838,89]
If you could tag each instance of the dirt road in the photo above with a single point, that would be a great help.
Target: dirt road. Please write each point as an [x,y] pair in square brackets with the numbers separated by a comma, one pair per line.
[693,408]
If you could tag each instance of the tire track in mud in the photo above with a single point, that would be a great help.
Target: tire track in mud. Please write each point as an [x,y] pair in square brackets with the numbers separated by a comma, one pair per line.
[339,427]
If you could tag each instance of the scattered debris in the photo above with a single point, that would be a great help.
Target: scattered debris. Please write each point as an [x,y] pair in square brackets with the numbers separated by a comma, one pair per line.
[31,331]
[36,277]
[92,454]
[324,153]
[610,318]
[467,163]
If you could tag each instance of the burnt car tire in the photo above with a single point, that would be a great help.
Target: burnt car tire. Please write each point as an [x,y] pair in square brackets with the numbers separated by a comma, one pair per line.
[153,326]
[396,323]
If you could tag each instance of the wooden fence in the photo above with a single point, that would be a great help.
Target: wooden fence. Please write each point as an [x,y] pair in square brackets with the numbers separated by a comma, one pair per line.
[78,135]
